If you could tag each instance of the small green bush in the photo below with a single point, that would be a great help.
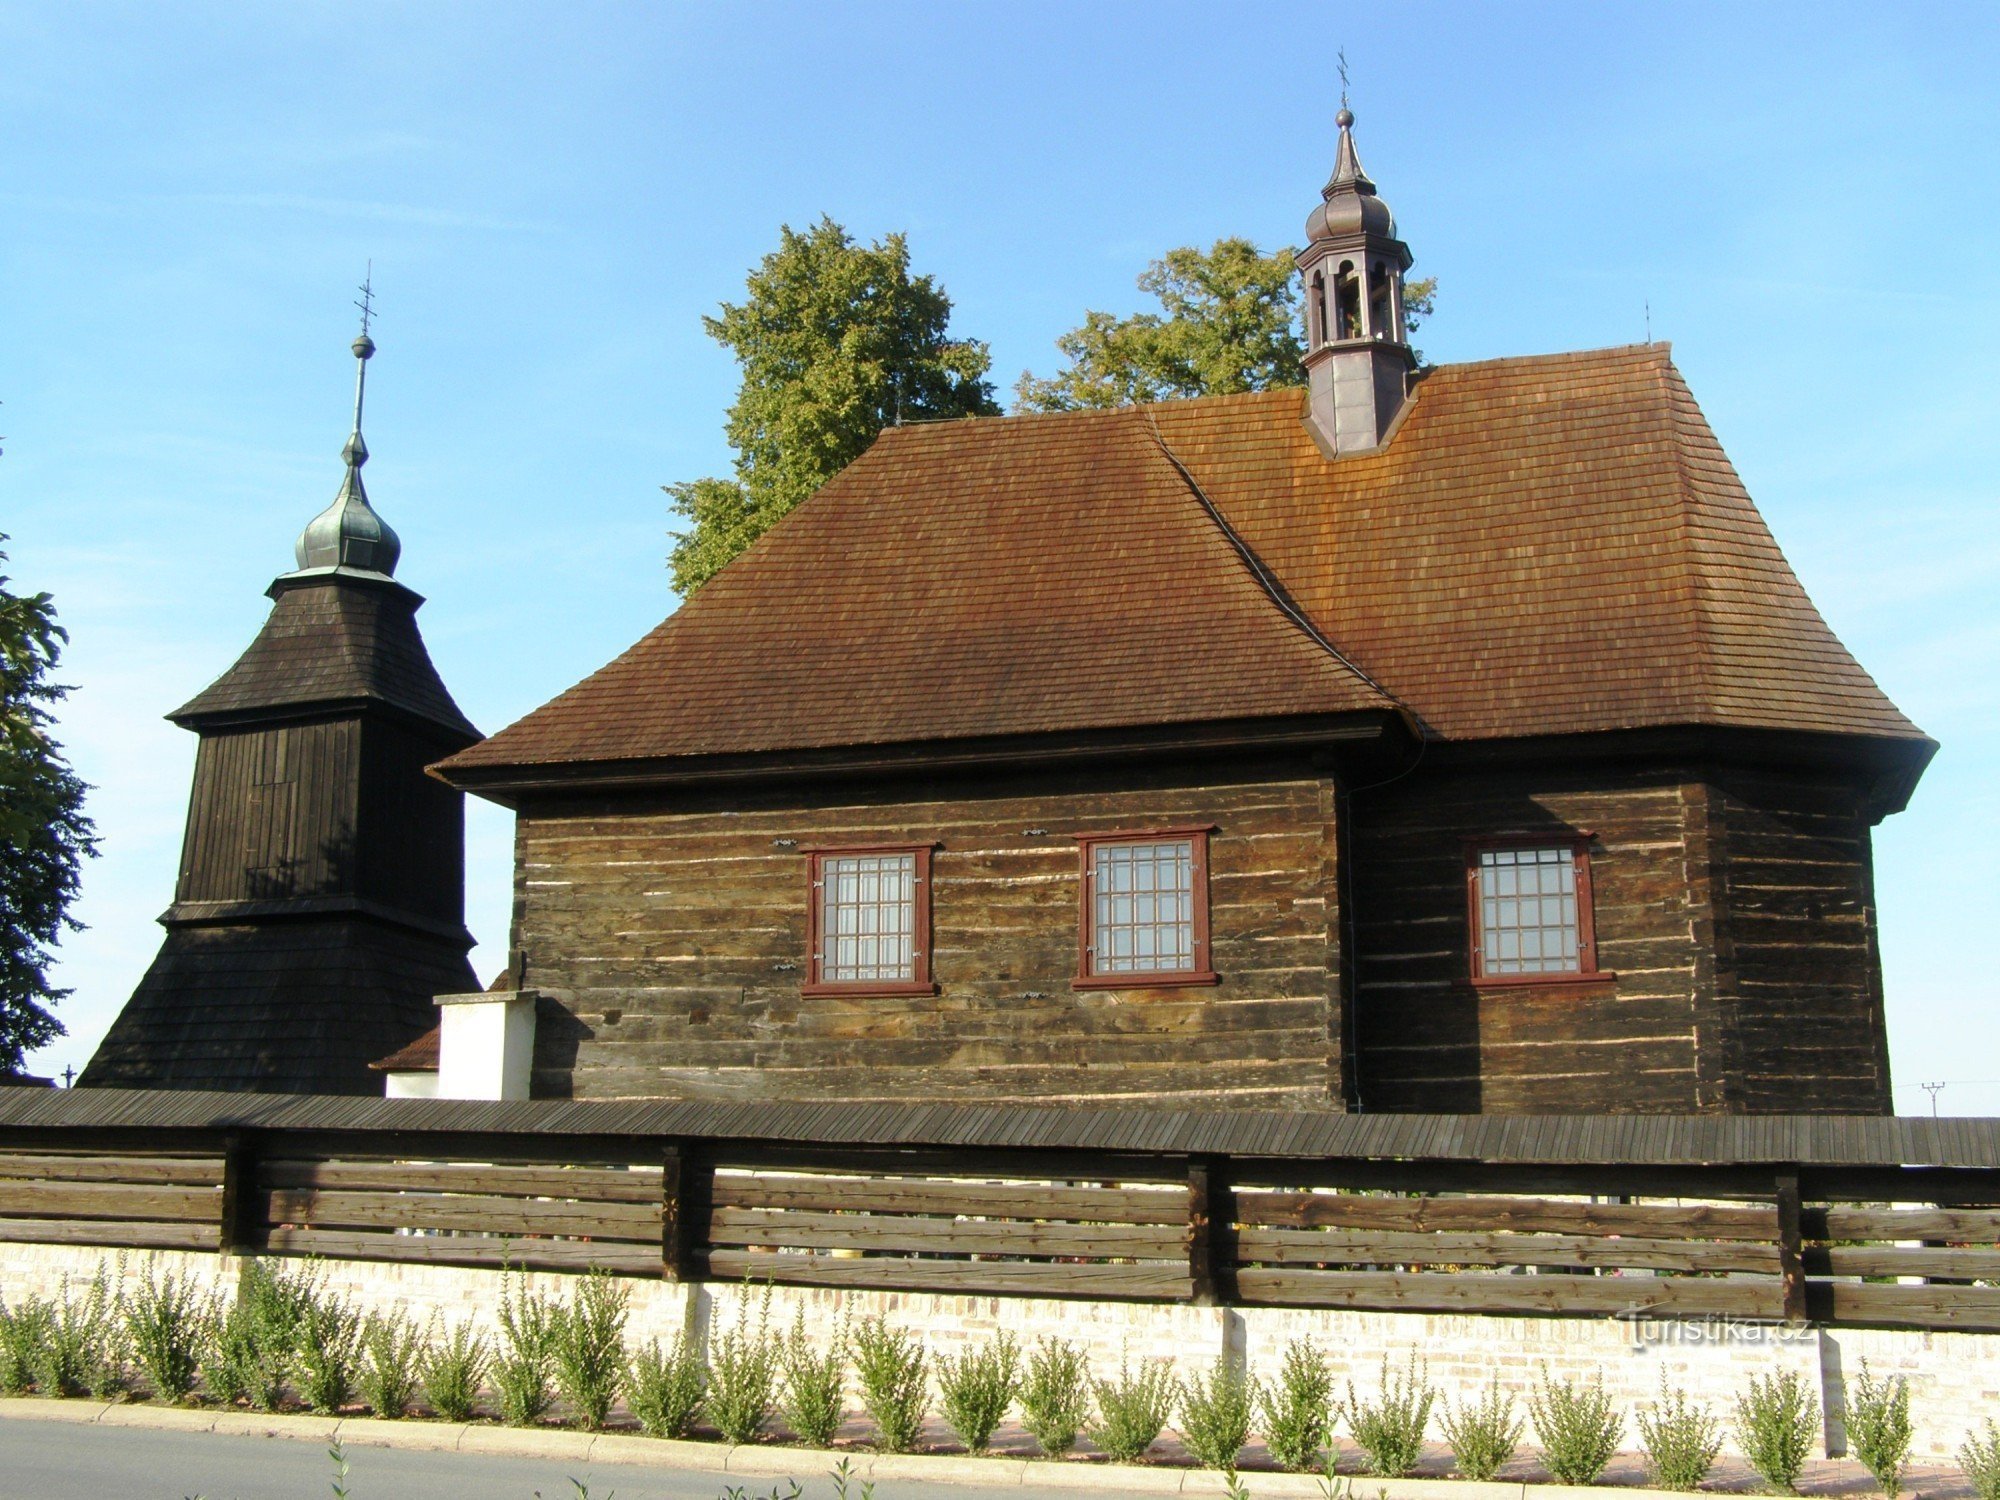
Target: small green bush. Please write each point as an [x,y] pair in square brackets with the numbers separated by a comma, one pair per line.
[1132,1409]
[1296,1410]
[251,1348]
[587,1340]
[1215,1415]
[167,1322]
[1681,1439]
[743,1376]
[1577,1426]
[1775,1422]
[1484,1433]
[1390,1429]
[1979,1456]
[449,1369]
[1055,1395]
[1878,1427]
[524,1363]
[82,1345]
[893,1372]
[22,1330]
[976,1388]
[665,1387]
[391,1345]
[329,1354]
[812,1384]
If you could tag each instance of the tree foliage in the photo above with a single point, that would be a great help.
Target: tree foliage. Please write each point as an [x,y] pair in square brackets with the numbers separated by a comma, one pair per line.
[1230,320]
[44,836]
[836,340]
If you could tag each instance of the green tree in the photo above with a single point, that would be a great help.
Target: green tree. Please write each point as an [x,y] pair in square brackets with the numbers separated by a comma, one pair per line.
[1230,320]
[44,836]
[837,340]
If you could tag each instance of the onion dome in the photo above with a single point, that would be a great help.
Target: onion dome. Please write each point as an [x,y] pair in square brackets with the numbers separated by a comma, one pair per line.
[1350,205]
[348,533]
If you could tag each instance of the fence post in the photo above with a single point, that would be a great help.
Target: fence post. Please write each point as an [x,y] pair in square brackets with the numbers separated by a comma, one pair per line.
[1791,1246]
[1211,1240]
[686,1196]
[241,1227]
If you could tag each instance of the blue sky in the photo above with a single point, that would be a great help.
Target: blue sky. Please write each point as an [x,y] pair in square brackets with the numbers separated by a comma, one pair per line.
[552,195]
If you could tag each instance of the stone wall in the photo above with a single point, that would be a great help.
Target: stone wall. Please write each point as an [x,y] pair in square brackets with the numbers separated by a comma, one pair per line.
[1954,1377]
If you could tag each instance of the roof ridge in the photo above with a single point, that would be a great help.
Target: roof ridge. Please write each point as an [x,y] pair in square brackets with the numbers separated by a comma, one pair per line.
[1700,605]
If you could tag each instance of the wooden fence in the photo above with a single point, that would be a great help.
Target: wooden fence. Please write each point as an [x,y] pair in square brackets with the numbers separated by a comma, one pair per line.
[1561,1233]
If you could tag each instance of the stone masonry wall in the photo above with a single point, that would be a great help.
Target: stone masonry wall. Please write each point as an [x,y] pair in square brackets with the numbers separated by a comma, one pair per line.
[1954,1377]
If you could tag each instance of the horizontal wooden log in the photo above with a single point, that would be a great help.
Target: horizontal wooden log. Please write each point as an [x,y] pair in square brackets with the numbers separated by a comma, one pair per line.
[1106,1205]
[589,1184]
[1963,1225]
[1292,1247]
[156,1171]
[1524,1215]
[1628,1296]
[1966,1309]
[503,1216]
[111,1235]
[108,1200]
[469,1250]
[1904,1260]
[890,1273]
[885,1232]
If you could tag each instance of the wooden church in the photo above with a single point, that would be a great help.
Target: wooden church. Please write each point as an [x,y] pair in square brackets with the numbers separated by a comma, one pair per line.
[1452,739]
[320,904]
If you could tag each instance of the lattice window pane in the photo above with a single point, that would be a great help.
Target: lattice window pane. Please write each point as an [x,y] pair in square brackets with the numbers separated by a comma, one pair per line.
[868,918]
[1528,913]
[1144,917]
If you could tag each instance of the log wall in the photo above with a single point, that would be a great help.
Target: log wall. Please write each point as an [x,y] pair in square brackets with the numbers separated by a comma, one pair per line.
[669,941]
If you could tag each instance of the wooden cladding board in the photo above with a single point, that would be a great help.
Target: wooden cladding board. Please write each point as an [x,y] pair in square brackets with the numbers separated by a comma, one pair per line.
[547,1217]
[141,1202]
[1734,909]
[671,939]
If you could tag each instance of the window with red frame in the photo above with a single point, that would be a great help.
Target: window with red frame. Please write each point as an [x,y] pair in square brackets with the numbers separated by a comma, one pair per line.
[1531,911]
[871,921]
[1144,917]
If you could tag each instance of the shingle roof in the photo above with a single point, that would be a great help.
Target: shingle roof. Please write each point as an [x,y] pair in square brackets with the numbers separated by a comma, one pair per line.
[420,1056]
[332,638]
[1545,546]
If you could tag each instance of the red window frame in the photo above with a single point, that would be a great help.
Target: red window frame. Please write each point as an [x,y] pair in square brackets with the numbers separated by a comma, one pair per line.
[1204,970]
[920,982]
[1578,845]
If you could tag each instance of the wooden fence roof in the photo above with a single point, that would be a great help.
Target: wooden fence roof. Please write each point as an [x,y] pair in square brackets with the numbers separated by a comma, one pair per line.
[1825,1140]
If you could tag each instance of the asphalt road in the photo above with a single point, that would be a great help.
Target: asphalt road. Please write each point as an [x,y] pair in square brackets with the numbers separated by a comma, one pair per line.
[67,1461]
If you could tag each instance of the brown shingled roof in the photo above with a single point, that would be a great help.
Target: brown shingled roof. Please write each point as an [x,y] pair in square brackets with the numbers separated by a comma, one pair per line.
[420,1056]
[1545,546]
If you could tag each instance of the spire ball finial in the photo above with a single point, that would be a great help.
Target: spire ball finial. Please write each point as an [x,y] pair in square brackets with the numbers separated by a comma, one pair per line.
[1345,118]
[364,347]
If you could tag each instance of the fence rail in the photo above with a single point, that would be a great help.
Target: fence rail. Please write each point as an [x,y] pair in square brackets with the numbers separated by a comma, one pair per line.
[1832,1240]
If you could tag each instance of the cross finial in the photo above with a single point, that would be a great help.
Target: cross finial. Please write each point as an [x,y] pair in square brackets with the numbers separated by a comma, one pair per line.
[367,290]
[1343,77]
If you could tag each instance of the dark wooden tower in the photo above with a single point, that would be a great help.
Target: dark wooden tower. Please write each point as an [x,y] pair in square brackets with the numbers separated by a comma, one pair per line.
[320,903]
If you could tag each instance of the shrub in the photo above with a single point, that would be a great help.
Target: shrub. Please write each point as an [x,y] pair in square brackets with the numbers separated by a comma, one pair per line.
[665,1389]
[1132,1409]
[1979,1456]
[743,1376]
[1775,1421]
[1680,1440]
[1484,1433]
[449,1368]
[390,1349]
[1577,1426]
[1294,1412]
[1055,1395]
[166,1323]
[329,1354]
[80,1348]
[23,1327]
[812,1385]
[250,1349]
[1390,1429]
[588,1339]
[1215,1415]
[892,1370]
[976,1388]
[524,1362]
[1878,1427]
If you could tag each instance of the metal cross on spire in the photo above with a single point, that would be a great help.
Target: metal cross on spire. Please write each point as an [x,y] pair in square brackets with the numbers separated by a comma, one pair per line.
[367,290]
[1343,77]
